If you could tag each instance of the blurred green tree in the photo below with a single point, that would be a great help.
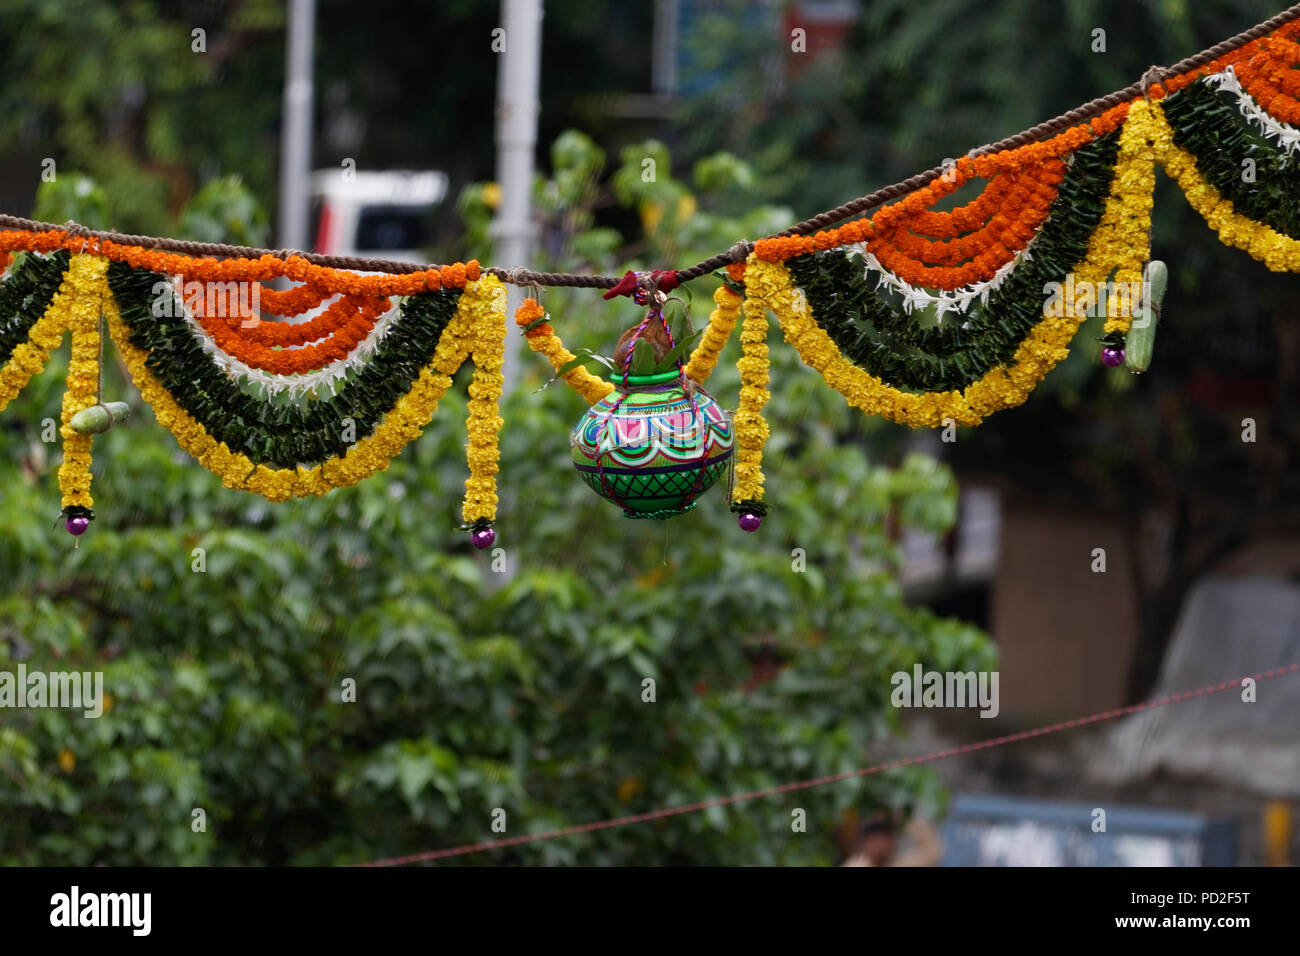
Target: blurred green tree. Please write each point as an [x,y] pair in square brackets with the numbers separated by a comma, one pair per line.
[148,99]
[72,196]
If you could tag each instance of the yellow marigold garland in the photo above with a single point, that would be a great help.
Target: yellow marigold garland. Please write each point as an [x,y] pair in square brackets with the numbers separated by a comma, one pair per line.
[1128,234]
[76,307]
[721,322]
[1279,252]
[543,340]
[750,428]
[486,316]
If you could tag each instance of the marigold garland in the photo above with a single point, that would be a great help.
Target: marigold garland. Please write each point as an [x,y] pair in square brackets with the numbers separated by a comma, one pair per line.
[1128,236]
[1110,247]
[1227,133]
[973,330]
[898,214]
[947,225]
[77,308]
[1279,56]
[353,317]
[486,316]
[202,375]
[543,340]
[27,361]
[295,301]
[291,302]
[401,425]
[983,267]
[263,269]
[329,377]
[1258,120]
[31,331]
[1264,81]
[721,322]
[278,433]
[1008,231]
[1278,252]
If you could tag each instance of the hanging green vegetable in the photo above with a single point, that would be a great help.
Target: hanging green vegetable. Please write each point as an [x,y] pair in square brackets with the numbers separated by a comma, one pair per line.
[1142,333]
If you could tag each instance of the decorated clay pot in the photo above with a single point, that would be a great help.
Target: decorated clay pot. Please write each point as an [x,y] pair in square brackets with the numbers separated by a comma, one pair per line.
[650,447]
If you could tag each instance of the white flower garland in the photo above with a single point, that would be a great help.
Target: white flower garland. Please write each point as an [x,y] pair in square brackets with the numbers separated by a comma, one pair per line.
[946,300]
[295,385]
[1287,136]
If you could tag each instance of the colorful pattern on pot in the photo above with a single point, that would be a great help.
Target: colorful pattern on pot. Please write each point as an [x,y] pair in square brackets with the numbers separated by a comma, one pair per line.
[651,448]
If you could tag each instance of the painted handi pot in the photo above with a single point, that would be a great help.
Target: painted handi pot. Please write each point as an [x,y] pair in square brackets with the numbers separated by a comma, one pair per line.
[651,447]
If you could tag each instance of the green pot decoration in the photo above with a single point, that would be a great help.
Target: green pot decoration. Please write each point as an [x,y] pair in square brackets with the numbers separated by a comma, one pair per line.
[650,447]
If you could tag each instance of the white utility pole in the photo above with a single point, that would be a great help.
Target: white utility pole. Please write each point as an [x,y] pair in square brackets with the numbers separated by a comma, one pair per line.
[663,75]
[295,135]
[518,75]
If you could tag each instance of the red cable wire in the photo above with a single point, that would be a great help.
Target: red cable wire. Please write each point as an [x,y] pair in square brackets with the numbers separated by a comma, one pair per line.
[832,778]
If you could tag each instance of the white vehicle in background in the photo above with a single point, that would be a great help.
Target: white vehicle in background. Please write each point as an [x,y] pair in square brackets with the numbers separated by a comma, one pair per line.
[375,215]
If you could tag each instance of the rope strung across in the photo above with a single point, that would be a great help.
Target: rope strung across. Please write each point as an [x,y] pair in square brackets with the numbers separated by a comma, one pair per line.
[430,856]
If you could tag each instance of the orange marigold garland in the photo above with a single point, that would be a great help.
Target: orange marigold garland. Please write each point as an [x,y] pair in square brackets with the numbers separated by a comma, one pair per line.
[295,301]
[977,212]
[1012,225]
[262,269]
[780,248]
[355,317]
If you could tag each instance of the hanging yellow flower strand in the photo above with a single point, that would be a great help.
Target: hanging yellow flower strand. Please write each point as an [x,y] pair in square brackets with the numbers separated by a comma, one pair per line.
[751,428]
[721,322]
[484,424]
[76,307]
